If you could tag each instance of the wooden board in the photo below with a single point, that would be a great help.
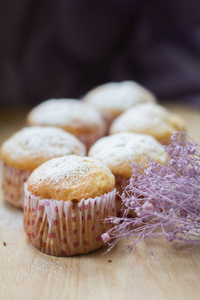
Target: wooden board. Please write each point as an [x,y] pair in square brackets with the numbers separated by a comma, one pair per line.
[25,273]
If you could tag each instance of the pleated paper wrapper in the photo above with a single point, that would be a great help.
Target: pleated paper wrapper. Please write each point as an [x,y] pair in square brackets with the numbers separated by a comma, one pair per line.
[65,228]
[13,184]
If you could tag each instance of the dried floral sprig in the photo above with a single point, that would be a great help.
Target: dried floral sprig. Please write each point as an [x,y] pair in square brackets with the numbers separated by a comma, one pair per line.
[164,198]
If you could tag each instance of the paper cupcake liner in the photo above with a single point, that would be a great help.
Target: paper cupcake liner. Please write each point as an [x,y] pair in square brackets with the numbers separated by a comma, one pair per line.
[63,228]
[13,184]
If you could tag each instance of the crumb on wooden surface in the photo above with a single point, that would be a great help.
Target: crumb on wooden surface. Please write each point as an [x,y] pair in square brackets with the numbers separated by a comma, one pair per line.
[4,243]
[109,260]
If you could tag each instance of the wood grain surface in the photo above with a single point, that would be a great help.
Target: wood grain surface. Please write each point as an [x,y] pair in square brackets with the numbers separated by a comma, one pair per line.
[25,273]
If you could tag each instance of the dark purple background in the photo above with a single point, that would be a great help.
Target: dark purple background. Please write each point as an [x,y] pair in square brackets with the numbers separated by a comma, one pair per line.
[63,48]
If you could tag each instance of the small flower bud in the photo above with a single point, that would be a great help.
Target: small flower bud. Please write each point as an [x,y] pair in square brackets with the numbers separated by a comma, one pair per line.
[188,227]
[172,162]
[170,237]
[138,222]
[105,237]
[174,136]
[134,165]
[147,207]
[191,150]
[116,221]
[137,209]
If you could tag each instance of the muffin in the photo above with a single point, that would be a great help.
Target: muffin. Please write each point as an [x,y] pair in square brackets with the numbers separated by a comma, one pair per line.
[26,150]
[66,200]
[113,98]
[74,116]
[118,151]
[149,118]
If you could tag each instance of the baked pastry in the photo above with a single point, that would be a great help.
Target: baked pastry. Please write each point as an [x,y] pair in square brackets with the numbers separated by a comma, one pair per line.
[26,150]
[149,118]
[113,98]
[66,200]
[74,116]
[118,151]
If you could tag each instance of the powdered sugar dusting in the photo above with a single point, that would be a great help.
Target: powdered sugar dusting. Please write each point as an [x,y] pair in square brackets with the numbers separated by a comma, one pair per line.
[70,169]
[65,112]
[145,117]
[47,142]
[127,147]
[118,95]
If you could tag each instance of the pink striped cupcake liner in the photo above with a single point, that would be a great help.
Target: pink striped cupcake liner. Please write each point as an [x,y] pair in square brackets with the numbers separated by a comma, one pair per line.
[65,228]
[13,184]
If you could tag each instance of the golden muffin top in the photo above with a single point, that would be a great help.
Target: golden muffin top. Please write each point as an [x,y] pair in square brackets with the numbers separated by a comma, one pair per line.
[118,151]
[32,146]
[148,118]
[116,97]
[71,178]
[72,115]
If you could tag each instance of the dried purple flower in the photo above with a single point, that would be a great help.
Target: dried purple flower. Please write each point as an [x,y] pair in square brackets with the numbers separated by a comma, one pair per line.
[164,198]
[105,237]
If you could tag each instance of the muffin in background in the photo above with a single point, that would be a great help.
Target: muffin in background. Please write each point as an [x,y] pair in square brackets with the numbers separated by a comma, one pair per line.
[26,150]
[72,115]
[113,98]
[149,118]
[118,151]
[66,200]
